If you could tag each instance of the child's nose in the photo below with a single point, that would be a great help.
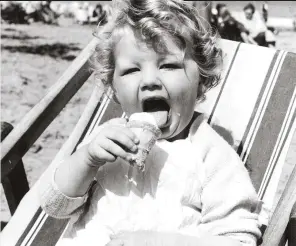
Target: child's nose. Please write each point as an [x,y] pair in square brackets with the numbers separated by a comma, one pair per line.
[150,81]
[151,85]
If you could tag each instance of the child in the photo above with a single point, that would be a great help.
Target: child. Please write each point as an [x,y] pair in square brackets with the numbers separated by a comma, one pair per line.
[158,58]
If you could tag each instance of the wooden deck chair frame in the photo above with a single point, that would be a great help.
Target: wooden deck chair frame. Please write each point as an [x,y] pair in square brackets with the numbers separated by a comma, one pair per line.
[262,131]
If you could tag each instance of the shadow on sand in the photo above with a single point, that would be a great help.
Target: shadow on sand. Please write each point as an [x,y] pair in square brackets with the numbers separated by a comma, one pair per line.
[18,37]
[56,50]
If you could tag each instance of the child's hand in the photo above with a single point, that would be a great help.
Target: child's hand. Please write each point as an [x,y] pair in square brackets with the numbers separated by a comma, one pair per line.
[114,140]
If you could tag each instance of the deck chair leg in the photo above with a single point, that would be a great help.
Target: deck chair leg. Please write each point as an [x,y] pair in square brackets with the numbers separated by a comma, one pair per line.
[3,224]
[15,184]
[291,229]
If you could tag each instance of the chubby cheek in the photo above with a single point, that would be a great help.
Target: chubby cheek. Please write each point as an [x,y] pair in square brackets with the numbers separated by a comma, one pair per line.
[185,97]
[185,101]
[127,97]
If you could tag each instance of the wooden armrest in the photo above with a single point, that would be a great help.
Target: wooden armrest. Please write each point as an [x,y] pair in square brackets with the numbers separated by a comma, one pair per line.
[36,121]
[291,229]
[15,184]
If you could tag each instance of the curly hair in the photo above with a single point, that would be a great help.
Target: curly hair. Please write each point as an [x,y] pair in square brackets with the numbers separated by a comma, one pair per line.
[151,21]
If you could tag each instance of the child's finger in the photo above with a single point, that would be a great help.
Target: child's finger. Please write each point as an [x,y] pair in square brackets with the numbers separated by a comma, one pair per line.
[131,134]
[114,149]
[122,138]
[126,131]
[99,154]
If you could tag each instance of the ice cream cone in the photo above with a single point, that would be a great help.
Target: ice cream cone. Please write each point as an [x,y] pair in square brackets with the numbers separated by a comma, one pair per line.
[147,131]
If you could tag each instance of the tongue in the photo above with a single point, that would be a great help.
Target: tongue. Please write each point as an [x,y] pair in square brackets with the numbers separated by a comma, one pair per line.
[161,117]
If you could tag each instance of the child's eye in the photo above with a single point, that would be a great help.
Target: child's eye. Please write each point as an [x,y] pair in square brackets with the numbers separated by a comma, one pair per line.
[129,71]
[170,66]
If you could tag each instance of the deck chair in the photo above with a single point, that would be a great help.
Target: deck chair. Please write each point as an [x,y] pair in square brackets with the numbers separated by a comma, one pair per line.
[255,102]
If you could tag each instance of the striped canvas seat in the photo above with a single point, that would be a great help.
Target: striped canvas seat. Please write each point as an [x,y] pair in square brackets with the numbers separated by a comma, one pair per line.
[254,102]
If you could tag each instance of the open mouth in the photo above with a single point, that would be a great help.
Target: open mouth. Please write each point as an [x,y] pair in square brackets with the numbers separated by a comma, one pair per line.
[159,108]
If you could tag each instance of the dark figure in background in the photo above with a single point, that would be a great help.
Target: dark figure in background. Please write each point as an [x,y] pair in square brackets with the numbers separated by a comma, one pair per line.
[221,7]
[47,15]
[265,11]
[230,28]
[40,11]
[265,17]
[215,19]
[13,13]
[99,15]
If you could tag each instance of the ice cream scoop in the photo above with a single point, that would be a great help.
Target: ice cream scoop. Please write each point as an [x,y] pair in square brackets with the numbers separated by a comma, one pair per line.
[145,127]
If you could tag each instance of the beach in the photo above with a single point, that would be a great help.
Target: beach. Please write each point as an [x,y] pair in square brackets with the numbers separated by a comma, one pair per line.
[33,57]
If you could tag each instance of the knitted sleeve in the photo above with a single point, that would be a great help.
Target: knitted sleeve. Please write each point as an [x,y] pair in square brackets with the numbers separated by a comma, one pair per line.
[57,204]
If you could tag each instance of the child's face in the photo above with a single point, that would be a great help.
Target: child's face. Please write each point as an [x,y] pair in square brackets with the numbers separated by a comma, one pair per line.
[165,85]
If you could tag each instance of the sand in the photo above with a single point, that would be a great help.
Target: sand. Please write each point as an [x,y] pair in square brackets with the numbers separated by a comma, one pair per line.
[33,58]
[27,77]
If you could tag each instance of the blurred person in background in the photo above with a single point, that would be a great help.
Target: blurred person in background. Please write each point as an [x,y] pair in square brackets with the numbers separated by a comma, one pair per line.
[221,8]
[216,15]
[80,12]
[265,11]
[47,14]
[265,18]
[231,29]
[32,9]
[99,15]
[13,12]
[259,34]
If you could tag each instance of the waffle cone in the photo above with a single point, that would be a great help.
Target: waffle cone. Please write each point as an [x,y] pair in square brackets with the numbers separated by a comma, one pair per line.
[147,134]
